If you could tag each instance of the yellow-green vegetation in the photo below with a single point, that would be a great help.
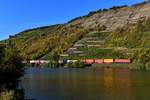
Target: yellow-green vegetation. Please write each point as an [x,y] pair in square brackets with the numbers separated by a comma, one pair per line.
[11,69]
[131,36]
[51,41]
[142,58]
[77,64]
[96,32]
[36,43]
[137,39]
[114,65]
[12,95]
[7,95]
[41,42]
[11,66]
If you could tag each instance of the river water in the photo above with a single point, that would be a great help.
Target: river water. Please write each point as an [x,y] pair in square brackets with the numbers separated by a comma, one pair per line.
[86,84]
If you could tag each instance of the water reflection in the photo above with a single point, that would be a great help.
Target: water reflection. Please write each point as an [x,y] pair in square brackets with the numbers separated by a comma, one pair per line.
[85,84]
[109,82]
[117,84]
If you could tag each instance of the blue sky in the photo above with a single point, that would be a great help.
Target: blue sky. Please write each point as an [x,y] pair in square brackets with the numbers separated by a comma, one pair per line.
[18,15]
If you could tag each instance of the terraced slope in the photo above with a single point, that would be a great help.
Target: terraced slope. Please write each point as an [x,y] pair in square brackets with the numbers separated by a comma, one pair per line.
[50,41]
[92,45]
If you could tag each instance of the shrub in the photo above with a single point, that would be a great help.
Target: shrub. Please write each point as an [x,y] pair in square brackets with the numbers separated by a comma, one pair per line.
[142,57]
[11,67]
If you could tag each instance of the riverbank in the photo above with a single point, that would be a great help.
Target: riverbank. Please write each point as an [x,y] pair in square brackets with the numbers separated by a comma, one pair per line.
[113,65]
[130,66]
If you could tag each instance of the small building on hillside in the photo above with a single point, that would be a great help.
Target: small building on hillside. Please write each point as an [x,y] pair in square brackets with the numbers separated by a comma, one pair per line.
[39,61]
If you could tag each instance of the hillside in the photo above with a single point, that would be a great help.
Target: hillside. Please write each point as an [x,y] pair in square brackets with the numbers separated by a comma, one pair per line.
[125,28]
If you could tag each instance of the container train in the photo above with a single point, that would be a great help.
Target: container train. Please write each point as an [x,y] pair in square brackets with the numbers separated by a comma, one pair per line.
[86,61]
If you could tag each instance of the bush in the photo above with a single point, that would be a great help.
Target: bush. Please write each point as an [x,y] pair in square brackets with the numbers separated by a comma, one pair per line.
[80,64]
[11,67]
[142,57]
[77,64]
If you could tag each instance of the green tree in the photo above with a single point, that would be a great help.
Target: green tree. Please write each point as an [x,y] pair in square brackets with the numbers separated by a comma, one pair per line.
[11,67]
[142,57]
[56,56]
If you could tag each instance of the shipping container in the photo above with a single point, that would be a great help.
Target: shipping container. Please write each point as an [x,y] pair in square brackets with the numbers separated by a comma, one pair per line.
[89,61]
[74,61]
[99,61]
[34,61]
[44,61]
[122,61]
[107,61]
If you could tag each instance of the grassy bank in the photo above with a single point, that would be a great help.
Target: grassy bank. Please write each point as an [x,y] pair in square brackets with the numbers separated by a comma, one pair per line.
[131,66]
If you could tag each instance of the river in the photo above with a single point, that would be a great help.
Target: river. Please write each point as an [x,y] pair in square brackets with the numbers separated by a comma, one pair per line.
[86,84]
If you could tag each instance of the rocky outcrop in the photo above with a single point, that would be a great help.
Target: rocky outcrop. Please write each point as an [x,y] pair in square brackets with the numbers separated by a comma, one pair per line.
[115,18]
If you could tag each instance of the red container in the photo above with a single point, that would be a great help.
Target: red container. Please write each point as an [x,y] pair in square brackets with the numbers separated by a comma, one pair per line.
[89,61]
[122,61]
[99,61]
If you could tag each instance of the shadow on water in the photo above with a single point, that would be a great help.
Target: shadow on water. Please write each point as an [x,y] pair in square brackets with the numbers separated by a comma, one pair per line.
[10,89]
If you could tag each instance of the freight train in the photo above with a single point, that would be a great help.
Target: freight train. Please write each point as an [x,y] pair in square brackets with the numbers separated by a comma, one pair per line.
[86,61]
